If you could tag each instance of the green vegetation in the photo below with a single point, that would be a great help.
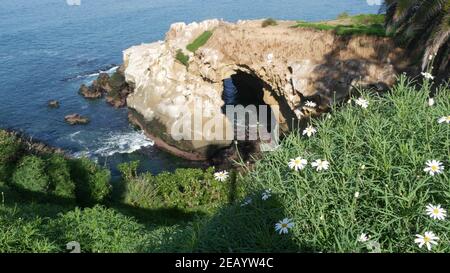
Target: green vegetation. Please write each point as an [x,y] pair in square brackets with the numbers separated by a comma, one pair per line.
[182,58]
[367,24]
[269,22]
[343,15]
[189,189]
[375,184]
[199,41]
[414,22]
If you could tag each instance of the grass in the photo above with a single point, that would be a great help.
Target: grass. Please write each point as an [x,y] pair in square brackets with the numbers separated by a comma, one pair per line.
[364,24]
[188,211]
[199,41]
[182,58]
[269,22]
[392,138]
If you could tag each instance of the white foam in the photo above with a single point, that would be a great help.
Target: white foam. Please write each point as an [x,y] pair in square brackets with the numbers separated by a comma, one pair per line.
[122,143]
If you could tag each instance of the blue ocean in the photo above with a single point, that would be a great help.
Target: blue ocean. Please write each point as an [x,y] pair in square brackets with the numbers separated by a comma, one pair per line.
[48,48]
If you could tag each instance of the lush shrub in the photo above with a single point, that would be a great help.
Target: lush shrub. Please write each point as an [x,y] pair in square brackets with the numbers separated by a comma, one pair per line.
[9,149]
[199,41]
[182,58]
[269,22]
[92,182]
[59,173]
[99,229]
[185,188]
[30,175]
[376,182]
[20,235]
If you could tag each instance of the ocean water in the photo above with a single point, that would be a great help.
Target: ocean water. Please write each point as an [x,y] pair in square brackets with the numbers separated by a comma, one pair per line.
[48,48]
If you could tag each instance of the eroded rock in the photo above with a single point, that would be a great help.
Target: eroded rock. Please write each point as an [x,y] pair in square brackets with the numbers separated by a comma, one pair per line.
[293,64]
[76,119]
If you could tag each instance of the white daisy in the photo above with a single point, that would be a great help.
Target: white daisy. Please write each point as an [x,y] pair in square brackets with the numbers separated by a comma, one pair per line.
[363,238]
[428,239]
[427,76]
[431,102]
[320,165]
[283,226]
[266,194]
[309,131]
[436,212]
[444,119]
[221,176]
[297,164]
[310,104]
[357,194]
[434,167]
[362,102]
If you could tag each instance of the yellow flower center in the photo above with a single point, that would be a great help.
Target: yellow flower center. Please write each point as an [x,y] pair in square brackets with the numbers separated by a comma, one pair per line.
[436,211]
[284,225]
[426,239]
[434,168]
[448,118]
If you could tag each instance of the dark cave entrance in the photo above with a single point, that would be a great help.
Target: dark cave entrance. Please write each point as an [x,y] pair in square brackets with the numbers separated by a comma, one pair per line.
[247,90]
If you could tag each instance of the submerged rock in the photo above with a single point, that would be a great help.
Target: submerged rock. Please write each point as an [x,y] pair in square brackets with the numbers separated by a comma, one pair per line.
[76,119]
[53,104]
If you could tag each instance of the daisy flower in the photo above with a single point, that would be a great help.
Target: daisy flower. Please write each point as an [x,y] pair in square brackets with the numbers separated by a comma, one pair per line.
[436,212]
[363,238]
[310,104]
[221,176]
[444,119]
[357,194]
[283,226]
[433,167]
[320,165]
[431,102]
[266,194]
[309,131]
[297,164]
[427,239]
[427,76]
[362,102]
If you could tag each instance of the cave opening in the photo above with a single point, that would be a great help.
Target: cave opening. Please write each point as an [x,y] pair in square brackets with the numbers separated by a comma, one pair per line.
[247,90]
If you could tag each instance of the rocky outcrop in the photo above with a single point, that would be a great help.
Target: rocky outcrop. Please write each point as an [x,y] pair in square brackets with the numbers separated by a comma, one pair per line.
[114,87]
[53,104]
[76,119]
[291,65]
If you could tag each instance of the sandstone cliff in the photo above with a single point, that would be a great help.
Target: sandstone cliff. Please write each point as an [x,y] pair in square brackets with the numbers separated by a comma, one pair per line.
[290,65]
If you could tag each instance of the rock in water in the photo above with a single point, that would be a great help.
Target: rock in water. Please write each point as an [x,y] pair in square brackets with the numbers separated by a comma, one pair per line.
[76,119]
[89,92]
[53,104]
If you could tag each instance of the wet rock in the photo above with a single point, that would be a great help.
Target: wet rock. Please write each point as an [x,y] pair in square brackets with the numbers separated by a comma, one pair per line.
[76,119]
[53,104]
[89,92]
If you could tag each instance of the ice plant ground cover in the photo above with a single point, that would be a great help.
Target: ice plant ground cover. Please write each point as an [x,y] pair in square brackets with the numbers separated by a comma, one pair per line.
[392,138]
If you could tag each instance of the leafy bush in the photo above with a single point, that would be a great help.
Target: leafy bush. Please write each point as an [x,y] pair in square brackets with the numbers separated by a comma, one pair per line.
[199,41]
[59,173]
[92,182]
[343,15]
[99,229]
[182,58]
[375,184]
[269,22]
[20,235]
[185,189]
[9,149]
[30,175]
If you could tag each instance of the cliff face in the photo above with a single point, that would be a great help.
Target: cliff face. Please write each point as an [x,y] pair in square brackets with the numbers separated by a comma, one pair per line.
[291,65]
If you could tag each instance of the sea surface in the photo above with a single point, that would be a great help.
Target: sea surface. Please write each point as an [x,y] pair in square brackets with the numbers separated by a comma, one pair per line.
[49,47]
